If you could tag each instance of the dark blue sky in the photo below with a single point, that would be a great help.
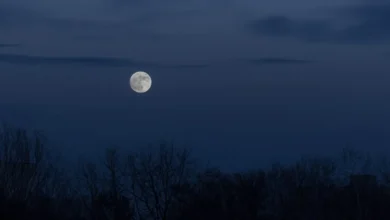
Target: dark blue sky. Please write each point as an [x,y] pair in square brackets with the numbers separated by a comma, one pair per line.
[243,82]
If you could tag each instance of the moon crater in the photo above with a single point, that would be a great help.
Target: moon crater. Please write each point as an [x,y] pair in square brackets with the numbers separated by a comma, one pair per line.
[140,82]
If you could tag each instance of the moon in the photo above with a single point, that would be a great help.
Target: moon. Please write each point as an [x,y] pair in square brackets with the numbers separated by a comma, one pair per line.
[140,82]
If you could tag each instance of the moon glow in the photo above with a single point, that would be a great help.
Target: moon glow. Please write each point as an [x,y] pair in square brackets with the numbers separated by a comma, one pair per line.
[140,82]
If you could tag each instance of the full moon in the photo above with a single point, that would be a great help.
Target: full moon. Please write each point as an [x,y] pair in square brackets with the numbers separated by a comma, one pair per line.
[140,82]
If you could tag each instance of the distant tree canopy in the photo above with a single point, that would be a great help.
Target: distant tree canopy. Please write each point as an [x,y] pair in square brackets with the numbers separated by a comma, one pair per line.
[165,184]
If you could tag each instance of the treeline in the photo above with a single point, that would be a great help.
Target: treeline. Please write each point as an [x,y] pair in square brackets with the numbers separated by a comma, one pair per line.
[166,184]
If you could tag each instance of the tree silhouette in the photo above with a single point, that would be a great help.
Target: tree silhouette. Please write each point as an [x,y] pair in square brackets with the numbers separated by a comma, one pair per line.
[153,177]
[164,184]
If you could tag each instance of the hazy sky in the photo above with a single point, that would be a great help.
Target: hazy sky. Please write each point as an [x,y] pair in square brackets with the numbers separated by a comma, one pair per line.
[243,82]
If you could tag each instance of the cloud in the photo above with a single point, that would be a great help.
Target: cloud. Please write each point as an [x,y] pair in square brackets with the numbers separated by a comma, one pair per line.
[184,66]
[274,60]
[21,59]
[109,20]
[95,12]
[370,24]
[281,26]
[87,61]
[37,60]
[9,45]
[12,16]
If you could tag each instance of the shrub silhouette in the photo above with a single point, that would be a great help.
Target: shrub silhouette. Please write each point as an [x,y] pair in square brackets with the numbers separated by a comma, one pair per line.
[164,184]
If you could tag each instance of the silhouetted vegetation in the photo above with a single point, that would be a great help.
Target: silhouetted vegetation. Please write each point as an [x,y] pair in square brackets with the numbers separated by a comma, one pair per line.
[165,184]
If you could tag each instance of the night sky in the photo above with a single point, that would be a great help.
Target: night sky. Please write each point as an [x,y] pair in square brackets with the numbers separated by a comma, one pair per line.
[241,82]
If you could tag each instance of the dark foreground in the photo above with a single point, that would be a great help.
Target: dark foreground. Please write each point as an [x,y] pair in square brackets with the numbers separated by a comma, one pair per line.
[166,184]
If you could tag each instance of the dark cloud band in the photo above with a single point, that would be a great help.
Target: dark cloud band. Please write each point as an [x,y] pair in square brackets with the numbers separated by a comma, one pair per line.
[9,45]
[87,61]
[370,25]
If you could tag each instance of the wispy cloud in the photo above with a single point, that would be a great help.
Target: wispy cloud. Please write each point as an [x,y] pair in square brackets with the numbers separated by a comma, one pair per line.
[87,61]
[92,13]
[110,22]
[27,59]
[11,17]
[274,60]
[21,59]
[370,23]
[9,45]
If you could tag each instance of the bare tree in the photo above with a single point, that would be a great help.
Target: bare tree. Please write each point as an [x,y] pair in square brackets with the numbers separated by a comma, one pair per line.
[357,164]
[153,176]
[89,187]
[25,168]
[207,198]
[354,162]
[218,195]
[117,205]
[299,190]
[250,195]
[103,190]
